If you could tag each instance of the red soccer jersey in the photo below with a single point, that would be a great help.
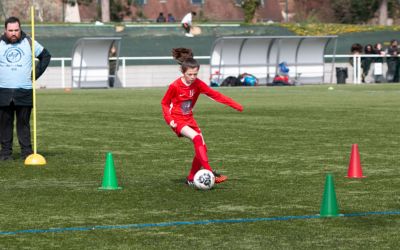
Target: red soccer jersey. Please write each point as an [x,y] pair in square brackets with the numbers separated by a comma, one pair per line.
[180,99]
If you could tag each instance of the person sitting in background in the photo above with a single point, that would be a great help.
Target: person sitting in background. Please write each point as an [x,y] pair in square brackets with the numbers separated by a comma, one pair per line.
[161,18]
[170,18]
[282,77]
[248,79]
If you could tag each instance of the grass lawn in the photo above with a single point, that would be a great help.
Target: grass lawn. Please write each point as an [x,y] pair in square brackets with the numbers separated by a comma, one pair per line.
[276,154]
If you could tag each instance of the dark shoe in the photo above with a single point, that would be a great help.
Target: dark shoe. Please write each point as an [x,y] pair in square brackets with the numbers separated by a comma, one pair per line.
[6,158]
[26,153]
[24,156]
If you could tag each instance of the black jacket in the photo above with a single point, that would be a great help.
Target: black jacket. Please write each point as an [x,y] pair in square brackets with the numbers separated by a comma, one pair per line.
[23,97]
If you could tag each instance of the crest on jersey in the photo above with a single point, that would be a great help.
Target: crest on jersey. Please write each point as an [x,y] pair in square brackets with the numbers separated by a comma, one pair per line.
[191,93]
[13,55]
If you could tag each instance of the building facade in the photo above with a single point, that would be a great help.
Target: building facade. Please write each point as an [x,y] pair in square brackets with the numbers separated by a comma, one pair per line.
[141,10]
[212,10]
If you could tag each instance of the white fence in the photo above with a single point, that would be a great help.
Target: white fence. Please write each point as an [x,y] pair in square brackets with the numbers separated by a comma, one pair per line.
[162,75]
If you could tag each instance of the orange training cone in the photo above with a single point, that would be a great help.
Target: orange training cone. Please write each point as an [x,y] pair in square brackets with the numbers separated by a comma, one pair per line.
[355,170]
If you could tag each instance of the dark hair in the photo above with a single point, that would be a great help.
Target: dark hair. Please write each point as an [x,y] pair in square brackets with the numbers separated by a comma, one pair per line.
[11,19]
[184,57]
[189,63]
[356,47]
[368,49]
[194,13]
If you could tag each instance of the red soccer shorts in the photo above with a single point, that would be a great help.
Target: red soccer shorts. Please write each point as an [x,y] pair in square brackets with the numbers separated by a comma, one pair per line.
[183,121]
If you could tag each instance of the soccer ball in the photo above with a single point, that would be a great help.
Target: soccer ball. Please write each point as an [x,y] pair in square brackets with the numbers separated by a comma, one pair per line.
[204,179]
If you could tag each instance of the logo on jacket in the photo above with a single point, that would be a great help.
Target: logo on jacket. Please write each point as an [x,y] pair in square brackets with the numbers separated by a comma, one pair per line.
[13,55]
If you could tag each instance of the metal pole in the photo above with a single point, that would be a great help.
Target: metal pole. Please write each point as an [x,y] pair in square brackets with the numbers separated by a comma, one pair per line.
[123,72]
[33,78]
[63,73]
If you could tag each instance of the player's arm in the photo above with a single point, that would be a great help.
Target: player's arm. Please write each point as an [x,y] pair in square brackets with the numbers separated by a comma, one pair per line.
[166,104]
[216,96]
[44,60]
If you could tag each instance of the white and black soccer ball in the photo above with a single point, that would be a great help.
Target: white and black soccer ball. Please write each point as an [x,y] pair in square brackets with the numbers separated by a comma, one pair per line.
[204,179]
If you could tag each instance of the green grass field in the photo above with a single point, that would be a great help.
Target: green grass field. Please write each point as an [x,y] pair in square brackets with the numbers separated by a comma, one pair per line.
[276,154]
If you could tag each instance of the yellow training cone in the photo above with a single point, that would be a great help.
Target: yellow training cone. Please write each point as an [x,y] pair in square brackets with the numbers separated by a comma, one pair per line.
[35,160]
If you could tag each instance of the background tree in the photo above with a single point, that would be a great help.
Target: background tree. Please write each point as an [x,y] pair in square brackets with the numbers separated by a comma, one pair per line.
[249,8]
[361,11]
[355,11]
[347,11]
[383,12]
[105,11]
[313,11]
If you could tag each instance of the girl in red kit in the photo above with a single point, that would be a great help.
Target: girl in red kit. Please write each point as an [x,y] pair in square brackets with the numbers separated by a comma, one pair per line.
[178,103]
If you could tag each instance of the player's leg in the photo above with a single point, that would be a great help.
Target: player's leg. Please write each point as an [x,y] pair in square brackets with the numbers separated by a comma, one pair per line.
[201,152]
[186,27]
[196,166]
[199,147]
[24,129]
[196,163]
[6,131]
[188,132]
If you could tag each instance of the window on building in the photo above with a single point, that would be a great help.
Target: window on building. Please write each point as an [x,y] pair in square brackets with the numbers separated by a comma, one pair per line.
[140,2]
[197,1]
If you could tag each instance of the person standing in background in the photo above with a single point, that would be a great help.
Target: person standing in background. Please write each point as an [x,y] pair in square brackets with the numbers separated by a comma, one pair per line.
[187,23]
[16,86]
[366,63]
[393,62]
[378,63]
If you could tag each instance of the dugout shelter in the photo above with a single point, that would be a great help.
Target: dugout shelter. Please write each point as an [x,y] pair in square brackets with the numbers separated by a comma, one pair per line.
[261,56]
[95,62]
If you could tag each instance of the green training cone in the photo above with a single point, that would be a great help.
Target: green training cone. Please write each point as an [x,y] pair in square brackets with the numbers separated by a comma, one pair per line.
[110,181]
[329,206]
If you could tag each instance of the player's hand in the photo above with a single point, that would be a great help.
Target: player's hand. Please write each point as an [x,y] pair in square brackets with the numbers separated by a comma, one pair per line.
[239,108]
[172,124]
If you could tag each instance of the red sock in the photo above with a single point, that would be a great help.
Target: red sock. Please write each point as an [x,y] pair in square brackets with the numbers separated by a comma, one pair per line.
[196,165]
[201,152]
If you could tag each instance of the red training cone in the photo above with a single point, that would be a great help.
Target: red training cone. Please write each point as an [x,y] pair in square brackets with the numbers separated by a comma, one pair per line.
[355,170]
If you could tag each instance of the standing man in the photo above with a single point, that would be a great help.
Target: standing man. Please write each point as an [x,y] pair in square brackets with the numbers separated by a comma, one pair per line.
[16,86]
[187,23]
